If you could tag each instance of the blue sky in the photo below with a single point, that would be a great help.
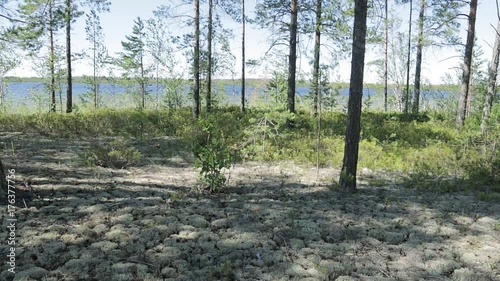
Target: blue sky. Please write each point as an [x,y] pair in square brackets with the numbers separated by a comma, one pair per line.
[118,23]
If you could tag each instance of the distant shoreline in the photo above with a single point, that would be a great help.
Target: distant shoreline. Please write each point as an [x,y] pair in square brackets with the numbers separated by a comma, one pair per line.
[249,82]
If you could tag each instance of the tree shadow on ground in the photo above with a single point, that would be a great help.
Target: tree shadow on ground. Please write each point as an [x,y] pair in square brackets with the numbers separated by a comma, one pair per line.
[266,226]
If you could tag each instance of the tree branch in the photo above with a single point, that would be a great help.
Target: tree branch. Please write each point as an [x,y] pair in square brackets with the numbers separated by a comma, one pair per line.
[11,19]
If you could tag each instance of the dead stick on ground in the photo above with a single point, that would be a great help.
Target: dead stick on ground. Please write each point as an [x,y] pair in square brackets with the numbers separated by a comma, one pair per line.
[286,247]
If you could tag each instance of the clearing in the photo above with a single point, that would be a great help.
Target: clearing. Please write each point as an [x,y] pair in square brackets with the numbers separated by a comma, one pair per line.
[274,222]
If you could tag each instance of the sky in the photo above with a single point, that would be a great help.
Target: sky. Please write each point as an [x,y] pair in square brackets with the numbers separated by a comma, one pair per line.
[119,21]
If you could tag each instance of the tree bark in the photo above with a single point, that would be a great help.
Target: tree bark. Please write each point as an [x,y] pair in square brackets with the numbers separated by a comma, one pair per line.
[196,60]
[69,88]
[317,45]
[96,98]
[418,66]
[51,59]
[492,81]
[143,82]
[406,97]
[292,63]
[353,128]
[464,88]
[386,52]
[243,56]
[209,55]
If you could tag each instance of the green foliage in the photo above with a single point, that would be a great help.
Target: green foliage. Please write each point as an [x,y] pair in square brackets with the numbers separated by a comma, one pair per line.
[428,151]
[116,154]
[101,122]
[265,132]
[133,57]
[437,160]
[277,88]
[98,54]
[223,272]
[212,154]
[481,165]
[488,196]
[329,94]
[496,227]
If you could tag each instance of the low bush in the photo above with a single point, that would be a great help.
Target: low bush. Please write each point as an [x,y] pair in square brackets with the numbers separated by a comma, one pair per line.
[212,154]
[424,147]
[117,154]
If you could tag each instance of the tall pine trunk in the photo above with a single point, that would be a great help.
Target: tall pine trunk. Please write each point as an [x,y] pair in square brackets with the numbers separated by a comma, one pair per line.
[69,77]
[406,96]
[418,66]
[464,88]
[386,52]
[143,84]
[353,128]
[52,59]
[243,56]
[492,81]
[209,55]
[94,81]
[196,60]
[292,57]
[317,45]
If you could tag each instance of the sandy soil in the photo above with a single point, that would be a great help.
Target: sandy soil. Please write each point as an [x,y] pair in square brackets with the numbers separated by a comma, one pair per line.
[274,222]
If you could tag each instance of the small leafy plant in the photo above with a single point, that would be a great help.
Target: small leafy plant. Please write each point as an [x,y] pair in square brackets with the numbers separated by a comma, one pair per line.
[212,155]
[117,154]
[223,271]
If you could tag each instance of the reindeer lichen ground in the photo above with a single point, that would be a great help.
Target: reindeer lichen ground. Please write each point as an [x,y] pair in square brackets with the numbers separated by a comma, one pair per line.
[274,222]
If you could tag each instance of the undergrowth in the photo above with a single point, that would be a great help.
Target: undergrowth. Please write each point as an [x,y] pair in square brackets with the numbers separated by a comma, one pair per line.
[429,152]
[115,154]
[212,153]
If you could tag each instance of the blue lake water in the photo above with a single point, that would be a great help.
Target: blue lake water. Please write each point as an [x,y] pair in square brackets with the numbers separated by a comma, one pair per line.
[22,90]
[28,93]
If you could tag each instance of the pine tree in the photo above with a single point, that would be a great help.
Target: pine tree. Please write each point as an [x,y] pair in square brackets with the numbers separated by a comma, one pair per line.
[353,128]
[98,52]
[196,60]
[41,19]
[132,60]
[492,80]
[466,74]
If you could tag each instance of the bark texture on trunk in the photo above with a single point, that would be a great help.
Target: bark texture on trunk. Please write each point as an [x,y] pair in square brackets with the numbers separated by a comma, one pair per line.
[317,45]
[196,60]
[418,62]
[292,57]
[386,52]
[209,55]
[464,88]
[143,83]
[353,128]
[406,97]
[51,59]
[94,80]
[69,77]
[243,56]
[492,81]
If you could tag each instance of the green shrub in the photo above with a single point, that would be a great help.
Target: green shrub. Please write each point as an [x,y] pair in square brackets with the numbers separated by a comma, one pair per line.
[435,160]
[116,154]
[212,154]
[488,196]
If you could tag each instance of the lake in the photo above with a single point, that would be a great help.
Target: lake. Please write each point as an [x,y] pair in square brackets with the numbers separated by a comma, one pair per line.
[32,93]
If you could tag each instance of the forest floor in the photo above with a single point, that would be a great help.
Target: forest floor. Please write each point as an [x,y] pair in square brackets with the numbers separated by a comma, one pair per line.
[275,221]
